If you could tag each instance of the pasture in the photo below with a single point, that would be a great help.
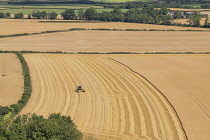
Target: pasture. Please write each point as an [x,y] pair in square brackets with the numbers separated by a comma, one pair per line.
[119,1]
[11,79]
[28,9]
[117,103]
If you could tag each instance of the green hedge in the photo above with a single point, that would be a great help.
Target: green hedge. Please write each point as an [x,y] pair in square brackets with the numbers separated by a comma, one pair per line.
[27,85]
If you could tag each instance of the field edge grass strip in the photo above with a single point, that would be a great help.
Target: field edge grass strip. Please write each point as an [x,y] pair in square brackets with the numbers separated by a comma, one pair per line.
[157,90]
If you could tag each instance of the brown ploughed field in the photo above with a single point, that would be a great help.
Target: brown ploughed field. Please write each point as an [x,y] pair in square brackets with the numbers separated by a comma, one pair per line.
[117,103]
[111,41]
[11,80]
[185,81]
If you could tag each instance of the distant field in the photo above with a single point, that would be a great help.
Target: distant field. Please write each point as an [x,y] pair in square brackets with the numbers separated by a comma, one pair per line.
[181,9]
[206,12]
[118,1]
[184,80]
[17,26]
[11,80]
[184,21]
[27,9]
[112,41]
[52,6]
[58,11]
[193,5]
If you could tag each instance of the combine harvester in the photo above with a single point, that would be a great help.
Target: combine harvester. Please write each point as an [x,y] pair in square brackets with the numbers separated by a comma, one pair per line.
[80,89]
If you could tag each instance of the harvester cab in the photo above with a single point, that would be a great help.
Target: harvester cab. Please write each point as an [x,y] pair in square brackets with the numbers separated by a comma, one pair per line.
[80,88]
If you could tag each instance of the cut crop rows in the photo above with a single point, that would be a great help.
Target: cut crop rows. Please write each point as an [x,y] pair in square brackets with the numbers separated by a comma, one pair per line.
[117,103]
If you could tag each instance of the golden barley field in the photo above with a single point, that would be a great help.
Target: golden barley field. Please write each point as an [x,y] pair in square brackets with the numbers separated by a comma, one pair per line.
[117,103]
[184,21]
[127,96]
[11,80]
[18,26]
[182,9]
[184,80]
[111,41]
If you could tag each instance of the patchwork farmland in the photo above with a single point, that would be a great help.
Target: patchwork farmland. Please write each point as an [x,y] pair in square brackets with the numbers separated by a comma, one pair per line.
[11,80]
[117,103]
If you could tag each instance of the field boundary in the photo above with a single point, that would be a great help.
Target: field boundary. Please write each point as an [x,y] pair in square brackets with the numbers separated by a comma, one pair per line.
[16,108]
[97,29]
[27,85]
[60,52]
[157,90]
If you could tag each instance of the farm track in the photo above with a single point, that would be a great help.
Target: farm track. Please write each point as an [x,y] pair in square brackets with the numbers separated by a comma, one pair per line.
[117,103]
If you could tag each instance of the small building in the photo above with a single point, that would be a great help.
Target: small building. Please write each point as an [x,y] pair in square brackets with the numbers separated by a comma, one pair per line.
[190,13]
[170,13]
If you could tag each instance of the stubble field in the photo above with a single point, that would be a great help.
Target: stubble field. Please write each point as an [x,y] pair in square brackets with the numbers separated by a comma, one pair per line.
[117,103]
[184,80]
[18,26]
[111,41]
[11,80]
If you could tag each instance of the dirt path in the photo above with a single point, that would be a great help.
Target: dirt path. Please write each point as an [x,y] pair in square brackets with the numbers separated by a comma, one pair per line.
[117,103]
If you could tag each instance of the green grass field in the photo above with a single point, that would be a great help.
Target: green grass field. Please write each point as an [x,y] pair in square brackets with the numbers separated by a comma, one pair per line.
[118,1]
[193,5]
[27,11]
[47,6]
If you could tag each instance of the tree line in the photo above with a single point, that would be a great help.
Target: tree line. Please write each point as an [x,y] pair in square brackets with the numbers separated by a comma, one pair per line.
[35,14]
[148,14]
[36,127]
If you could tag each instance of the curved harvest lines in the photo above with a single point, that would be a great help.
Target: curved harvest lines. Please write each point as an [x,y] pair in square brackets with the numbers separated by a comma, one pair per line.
[117,103]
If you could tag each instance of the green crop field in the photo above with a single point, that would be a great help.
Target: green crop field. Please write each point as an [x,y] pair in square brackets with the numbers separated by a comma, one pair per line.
[48,6]
[118,1]
[58,11]
[29,11]
[193,5]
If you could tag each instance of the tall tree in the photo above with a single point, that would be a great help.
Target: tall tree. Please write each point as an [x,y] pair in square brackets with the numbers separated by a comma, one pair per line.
[2,15]
[68,14]
[8,15]
[53,15]
[90,13]
[194,20]
[80,13]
